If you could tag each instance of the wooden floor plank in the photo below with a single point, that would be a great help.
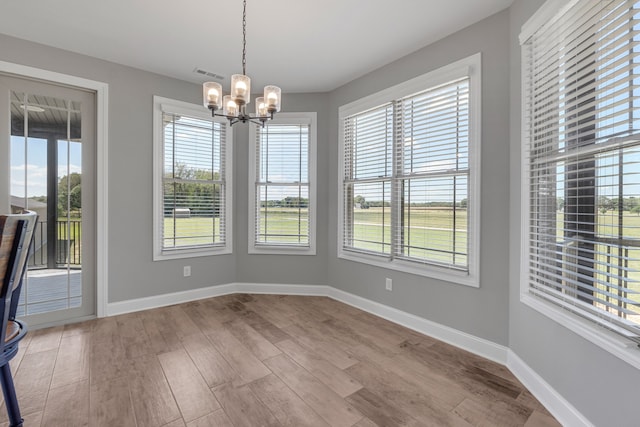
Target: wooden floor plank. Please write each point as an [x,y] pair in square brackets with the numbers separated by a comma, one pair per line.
[212,366]
[72,362]
[45,339]
[423,405]
[215,419]
[243,408]
[133,336]
[68,406]
[180,322]
[105,330]
[162,336]
[265,328]
[22,350]
[379,410]
[243,362]
[110,404]
[284,404]
[483,384]
[33,379]
[152,399]
[365,422]
[177,423]
[30,420]
[198,314]
[541,419]
[85,327]
[334,378]
[107,358]
[217,309]
[256,343]
[318,396]
[190,390]
[494,414]
[309,337]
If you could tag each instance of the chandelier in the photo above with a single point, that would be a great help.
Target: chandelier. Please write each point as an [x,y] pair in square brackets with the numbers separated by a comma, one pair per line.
[234,106]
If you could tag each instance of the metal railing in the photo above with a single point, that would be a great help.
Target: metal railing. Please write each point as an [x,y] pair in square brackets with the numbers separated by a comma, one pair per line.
[67,246]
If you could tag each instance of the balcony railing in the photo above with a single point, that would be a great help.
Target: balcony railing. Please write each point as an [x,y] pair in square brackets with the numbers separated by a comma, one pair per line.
[67,245]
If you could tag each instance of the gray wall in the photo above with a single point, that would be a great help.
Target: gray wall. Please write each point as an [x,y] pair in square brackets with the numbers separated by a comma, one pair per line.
[481,312]
[596,383]
[599,385]
[299,269]
[132,273]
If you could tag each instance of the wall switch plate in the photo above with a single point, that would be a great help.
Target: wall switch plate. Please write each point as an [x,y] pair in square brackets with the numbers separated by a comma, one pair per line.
[388,284]
[187,271]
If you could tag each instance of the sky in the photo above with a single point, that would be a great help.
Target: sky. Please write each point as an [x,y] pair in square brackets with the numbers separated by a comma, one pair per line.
[35,162]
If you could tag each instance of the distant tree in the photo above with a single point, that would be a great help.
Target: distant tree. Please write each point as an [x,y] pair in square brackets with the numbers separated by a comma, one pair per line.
[560,203]
[630,203]
[636,210]
[361,202]
[294,202]
[70,187]
[201,198]
[606,204]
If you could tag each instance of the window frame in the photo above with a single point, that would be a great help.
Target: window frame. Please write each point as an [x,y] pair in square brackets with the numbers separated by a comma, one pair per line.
[160,105]
[467,67]
[612,342]
[293,118]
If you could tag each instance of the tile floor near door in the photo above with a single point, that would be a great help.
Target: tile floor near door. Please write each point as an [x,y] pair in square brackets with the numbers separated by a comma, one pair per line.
[260,360]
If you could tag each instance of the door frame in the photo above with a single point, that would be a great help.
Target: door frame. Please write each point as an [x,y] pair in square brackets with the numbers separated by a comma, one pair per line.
[102,201]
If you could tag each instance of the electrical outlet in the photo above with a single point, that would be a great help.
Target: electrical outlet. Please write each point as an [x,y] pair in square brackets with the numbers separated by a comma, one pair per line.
[187,271]
[388,284]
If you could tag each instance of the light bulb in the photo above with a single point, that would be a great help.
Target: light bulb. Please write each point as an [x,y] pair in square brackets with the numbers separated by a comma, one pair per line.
[213,96]
[241,88]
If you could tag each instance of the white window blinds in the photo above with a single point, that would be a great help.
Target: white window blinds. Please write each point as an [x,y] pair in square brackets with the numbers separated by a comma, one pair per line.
[433,175]
[193,185]
[582,135]
[406,175]
[282,199]
[368,163]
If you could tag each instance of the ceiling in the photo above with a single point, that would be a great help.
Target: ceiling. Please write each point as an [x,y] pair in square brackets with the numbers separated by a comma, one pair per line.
[299,45]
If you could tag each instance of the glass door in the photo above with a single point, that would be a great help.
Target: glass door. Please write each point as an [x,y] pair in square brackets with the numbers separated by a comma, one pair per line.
[52,145]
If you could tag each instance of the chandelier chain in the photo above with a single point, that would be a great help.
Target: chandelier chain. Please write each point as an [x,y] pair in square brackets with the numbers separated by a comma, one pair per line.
[244,37]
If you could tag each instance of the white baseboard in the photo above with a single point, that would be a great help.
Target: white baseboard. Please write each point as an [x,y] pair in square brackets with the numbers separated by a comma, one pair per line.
[560,408]
[564,412]
[275,289]
[146,303]
[139,304]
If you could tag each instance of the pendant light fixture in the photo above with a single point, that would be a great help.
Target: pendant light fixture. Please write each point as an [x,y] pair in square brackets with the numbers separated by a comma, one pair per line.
[234,106]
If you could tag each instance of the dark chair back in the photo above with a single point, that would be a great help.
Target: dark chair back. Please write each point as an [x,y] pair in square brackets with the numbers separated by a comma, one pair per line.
[31,219]
[16,233]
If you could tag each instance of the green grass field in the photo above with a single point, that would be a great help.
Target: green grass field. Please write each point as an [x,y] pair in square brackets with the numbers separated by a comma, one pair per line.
[191,231]
[429,234]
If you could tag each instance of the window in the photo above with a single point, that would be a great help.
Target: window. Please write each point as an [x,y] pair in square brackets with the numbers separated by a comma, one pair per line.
[192,170]
[581,165]
[410,175]
[282,185]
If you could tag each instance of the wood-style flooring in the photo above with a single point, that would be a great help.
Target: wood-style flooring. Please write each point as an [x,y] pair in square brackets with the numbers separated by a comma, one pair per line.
[260,360]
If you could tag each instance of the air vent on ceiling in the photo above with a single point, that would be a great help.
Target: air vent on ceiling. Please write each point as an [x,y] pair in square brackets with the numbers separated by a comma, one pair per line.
[208,74]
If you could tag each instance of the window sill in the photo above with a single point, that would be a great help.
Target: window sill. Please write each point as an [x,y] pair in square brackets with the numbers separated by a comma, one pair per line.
[281,250]
[611,342]
[448,275]
[191,253]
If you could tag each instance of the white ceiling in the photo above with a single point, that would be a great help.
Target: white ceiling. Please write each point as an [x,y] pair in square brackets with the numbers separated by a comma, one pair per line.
[299,45]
